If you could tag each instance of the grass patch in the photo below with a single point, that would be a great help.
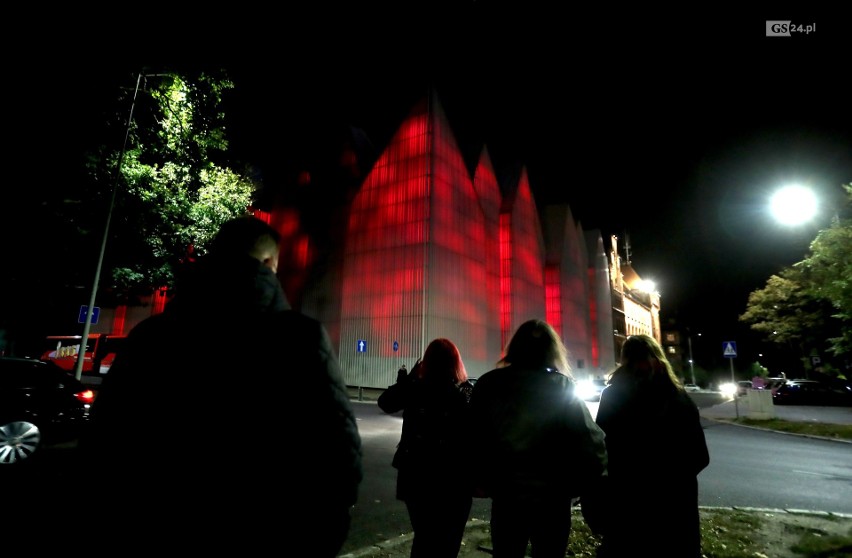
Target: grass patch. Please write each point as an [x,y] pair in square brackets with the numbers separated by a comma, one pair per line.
[819,545]
[836,431]
[729,533]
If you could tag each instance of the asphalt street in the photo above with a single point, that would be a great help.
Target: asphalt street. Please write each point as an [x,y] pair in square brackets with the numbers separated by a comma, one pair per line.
[712,406]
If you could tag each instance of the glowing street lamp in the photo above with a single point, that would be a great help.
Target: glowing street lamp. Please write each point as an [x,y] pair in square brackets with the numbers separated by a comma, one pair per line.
[646,285]
[793,205]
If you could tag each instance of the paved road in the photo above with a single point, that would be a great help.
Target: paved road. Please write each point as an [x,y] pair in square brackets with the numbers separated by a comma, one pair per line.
[381,509]
[714,405]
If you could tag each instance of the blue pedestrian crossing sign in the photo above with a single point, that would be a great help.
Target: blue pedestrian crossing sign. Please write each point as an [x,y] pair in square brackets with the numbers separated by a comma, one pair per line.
[84,313]
[361,347]
[729,349]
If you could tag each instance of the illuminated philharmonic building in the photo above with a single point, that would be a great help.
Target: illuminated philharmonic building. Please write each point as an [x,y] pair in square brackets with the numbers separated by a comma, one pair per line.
[417,248]
[414,247]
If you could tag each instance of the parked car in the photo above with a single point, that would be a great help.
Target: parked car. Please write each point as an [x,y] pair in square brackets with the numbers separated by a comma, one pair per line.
[812,392]
[743,386]
[772,384]
[40,405]
[691,387]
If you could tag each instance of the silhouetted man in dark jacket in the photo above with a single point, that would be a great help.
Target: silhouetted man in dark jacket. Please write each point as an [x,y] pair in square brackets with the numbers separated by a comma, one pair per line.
[224,424]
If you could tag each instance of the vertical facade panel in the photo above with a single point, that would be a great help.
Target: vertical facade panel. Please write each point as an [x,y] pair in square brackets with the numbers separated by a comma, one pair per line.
[567,285]
[600,303]
[553,296]
[527,258]
[575,298]
[457,305]
[506,278]
[383,271]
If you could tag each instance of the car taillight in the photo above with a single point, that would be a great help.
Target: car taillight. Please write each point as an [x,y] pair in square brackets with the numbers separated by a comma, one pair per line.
[86,396]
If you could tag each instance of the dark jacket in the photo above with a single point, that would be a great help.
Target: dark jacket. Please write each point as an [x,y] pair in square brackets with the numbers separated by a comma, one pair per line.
[434,447]
[656,449]
[221,412]
[535,439]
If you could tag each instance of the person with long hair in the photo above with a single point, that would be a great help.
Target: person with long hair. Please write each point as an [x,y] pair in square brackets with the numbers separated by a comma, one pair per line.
[432,454]
[537,447]
[656,449]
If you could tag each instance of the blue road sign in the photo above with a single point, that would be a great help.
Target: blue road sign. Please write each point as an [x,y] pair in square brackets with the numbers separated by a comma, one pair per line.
[729,349]
[361,347]
[84,310]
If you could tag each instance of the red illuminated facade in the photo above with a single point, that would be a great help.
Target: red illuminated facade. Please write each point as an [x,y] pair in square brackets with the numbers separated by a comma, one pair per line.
[425,248]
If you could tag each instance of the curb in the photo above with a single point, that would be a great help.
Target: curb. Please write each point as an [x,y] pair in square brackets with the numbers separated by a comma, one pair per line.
[790,511]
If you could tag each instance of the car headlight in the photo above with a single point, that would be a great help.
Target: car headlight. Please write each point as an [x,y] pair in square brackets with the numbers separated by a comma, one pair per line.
[728,389]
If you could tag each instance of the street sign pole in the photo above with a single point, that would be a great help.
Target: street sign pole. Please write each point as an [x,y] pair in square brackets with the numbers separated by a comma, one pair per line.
[361,347]
[396,353]
[729,351]
[736,390]
[87,325]
[691,365]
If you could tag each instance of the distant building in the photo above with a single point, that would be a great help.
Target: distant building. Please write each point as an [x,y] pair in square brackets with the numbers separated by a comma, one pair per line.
[636,303]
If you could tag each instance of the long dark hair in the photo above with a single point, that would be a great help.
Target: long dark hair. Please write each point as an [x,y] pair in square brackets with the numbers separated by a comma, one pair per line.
[537,345]
[442,361]
[643,359]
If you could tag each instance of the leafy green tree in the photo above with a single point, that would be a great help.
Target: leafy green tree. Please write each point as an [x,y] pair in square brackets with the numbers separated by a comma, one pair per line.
[174,187]
[784,311]
[809,306]
[829,270]
[757,369]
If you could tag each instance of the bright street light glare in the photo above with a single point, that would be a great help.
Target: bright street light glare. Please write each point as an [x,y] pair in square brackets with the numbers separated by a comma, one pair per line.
[647,286]
[793,205]
[729,389]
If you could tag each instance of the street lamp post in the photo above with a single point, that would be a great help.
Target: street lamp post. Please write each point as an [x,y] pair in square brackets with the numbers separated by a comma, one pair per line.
[87,325]
[691,364]
[795,205]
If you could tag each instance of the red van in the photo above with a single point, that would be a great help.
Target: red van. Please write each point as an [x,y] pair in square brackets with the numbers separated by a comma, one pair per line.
[100,351]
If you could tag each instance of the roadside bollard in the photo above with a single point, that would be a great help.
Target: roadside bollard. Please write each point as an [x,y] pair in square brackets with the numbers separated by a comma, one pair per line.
[360,393]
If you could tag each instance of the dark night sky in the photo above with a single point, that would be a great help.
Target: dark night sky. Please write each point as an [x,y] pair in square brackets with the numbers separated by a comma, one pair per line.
[671,128]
